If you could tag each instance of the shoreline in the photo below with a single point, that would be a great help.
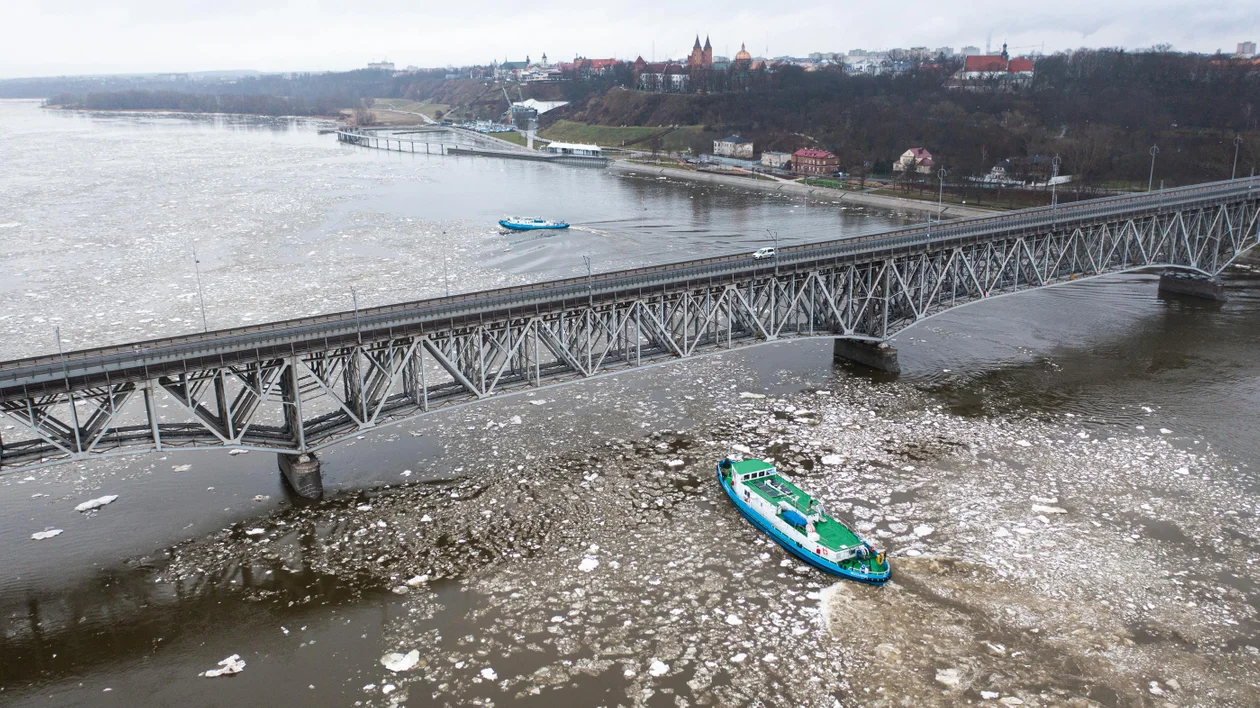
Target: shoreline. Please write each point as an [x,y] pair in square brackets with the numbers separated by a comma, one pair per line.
[952,210]
[172,112]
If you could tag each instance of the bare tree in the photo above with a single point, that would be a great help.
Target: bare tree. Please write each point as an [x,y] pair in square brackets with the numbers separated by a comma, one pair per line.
[655,142]
[363,114]
[1084,153]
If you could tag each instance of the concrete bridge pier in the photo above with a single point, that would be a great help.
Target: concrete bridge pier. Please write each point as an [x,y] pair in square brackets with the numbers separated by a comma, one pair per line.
[1192,284]
[880,356]
[302,473]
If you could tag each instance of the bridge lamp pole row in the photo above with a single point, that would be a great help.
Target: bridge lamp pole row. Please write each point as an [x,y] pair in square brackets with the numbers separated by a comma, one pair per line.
[1150,181]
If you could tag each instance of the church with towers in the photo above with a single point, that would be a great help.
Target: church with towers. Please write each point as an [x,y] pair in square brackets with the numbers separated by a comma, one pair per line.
[701,58]
[700,72]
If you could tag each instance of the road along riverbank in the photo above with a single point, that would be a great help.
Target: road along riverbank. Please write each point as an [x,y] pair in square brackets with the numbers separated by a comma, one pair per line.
[780,187]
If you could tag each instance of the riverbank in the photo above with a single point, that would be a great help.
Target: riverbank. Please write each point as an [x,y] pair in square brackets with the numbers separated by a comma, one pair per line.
[325,121]
[781,187]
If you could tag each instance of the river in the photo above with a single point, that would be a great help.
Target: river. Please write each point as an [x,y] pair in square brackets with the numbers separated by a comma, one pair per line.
[1065,480]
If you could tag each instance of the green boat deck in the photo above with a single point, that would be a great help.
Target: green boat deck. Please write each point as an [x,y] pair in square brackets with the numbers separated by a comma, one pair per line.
[774,489]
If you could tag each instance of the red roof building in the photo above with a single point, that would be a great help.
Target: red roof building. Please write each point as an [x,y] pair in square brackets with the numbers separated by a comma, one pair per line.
[918,158]
[1019,65]
[808,161]
[993,71]
[995,62]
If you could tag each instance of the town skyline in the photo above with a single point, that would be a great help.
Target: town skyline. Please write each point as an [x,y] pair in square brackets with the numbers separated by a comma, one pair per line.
[273,38]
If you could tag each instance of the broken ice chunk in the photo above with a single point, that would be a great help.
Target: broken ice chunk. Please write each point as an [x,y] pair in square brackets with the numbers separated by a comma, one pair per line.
[401,662]
[950,678]
[96,503]
[588,564]
[41,535]
[489,674]
[232,665]
[658,668]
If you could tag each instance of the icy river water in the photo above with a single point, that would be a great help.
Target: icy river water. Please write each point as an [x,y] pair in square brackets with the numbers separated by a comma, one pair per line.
[1065,480]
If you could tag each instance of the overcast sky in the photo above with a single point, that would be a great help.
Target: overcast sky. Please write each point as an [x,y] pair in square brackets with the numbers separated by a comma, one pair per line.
[124,36]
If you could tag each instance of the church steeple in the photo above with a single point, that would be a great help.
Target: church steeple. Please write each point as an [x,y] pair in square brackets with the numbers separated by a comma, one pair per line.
[697,45]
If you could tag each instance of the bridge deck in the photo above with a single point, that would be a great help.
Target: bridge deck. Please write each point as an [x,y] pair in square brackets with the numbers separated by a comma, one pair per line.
[145,359]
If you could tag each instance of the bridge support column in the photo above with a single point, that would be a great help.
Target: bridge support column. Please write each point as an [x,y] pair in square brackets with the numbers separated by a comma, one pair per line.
[881,356]
[302,473]
[1208,288]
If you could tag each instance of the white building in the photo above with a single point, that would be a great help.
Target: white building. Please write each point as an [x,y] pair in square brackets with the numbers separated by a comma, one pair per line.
[776,160]
[919,157]
[1246,49]
[580,149]
[733,146]
[381,65]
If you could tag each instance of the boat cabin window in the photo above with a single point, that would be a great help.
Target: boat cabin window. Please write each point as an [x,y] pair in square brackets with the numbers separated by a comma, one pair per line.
[756,475]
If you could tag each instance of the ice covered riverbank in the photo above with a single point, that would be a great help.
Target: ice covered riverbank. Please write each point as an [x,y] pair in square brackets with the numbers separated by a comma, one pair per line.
[1034,561]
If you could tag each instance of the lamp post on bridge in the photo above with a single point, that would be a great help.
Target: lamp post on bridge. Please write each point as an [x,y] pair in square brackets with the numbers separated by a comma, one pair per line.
[202,299]
[940,196]
[445,279]
[358,330]
[1234,172]
[1054,183]
[590,292]
[1150,181]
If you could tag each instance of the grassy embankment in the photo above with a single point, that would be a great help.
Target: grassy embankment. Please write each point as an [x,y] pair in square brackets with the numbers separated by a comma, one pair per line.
[512,137]
[634,137]
[397,111]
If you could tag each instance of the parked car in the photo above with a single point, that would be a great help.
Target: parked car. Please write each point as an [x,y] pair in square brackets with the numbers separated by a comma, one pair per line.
[766,252]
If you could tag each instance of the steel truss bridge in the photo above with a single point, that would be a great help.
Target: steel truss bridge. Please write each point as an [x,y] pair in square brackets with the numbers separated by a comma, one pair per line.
[301,385]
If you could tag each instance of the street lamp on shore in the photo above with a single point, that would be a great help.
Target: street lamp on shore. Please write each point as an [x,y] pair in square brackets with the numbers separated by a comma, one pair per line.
[1150,181]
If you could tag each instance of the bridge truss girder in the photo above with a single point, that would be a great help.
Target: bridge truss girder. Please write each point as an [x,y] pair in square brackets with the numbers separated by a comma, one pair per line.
[307,401]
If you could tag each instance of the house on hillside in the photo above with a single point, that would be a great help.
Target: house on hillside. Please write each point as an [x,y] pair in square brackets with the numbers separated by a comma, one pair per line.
[916,158]
[1028,171]
[808,161]
[776,160]
[733,146]
[662,77]
[510,69]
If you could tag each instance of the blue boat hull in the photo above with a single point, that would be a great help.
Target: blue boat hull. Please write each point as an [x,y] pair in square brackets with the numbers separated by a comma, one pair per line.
[790,546]
[530,227]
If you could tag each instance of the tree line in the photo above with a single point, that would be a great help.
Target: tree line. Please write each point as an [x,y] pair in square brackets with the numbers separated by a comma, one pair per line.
[1099,110]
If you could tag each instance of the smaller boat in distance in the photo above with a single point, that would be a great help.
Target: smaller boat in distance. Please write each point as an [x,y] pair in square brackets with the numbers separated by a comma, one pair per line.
[521,223]
[796,521]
